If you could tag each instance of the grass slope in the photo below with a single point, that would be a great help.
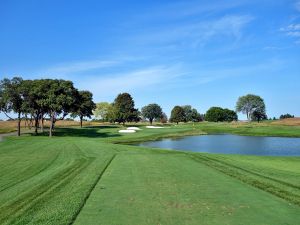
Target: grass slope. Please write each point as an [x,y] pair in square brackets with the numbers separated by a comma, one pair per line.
[81,177]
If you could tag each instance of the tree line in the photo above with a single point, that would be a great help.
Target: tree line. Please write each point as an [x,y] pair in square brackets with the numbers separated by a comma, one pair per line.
[54,99]
[36,99]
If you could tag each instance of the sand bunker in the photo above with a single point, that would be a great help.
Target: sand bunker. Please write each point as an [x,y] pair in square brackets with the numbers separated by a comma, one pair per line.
[127,131]
[155,127]
[133,128]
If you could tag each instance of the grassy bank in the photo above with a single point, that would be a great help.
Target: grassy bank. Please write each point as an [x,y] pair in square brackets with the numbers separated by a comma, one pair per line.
[81,176]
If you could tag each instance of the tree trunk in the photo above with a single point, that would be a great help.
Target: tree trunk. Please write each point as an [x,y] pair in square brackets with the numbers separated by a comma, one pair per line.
[51,125]
[19,124]
[42,123]
[36,124]
[151,120]
[81,117]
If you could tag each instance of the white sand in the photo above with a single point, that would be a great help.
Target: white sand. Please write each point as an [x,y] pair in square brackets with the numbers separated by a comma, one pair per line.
[155,127]
[133,128]
[127,131]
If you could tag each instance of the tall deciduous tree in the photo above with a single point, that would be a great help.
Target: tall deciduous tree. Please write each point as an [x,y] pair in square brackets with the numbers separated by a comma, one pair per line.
[124,110]
[177,115]
[103,111]
[12,98]
[60,100]
[151,112]
[83,106]
[250,103]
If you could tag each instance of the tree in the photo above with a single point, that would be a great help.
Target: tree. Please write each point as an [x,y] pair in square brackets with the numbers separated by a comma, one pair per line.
[258,115]
[11,98]
[218,114]
[123,109]
[163,118]
[60,98]
[230,115]
[177,115]
[35,99]
[191,114]
[151,112]
[285,116]
[103,111]
[215,114]
[249,103]
[84,105]
[188,111]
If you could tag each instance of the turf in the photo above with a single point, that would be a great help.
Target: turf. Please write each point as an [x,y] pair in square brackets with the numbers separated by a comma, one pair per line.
[81,176]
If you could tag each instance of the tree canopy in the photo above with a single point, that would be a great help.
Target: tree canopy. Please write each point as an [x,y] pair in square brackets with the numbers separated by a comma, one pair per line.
[151,112]
[124,111]
[37,98]
[191,114]
[104,111]
[249,104]
[12,98]
[177,115]
[84,105]
[218,114]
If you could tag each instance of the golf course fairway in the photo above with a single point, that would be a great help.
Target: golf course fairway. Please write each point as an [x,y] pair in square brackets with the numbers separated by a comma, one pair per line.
[86,176]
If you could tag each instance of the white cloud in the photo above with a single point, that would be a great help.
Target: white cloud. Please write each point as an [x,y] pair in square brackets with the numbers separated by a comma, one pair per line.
[292,30]
[75,67]
[112,84]
[198,33]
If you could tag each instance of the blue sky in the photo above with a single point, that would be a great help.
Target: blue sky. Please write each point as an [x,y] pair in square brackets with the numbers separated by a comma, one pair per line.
[203,53]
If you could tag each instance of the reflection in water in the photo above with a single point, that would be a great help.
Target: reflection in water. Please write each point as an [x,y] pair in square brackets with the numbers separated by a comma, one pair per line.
[232,144]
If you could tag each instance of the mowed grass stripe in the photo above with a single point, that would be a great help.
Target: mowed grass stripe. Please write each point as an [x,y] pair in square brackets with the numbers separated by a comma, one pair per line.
[54,195]
[91,189]
[282,189]
[174,189]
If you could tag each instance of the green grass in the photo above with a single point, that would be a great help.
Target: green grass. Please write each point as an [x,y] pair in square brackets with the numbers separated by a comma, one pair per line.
[251,129]
[81,176]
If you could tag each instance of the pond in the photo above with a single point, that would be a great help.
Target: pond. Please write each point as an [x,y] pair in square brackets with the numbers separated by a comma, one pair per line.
[231,144]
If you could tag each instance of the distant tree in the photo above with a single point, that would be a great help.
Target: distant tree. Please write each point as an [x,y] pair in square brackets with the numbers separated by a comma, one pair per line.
[286,116]
[123,109]
[230,115]
[215,114]
[84,105]
[102,111]
[188,112]
[164,118]
[195,116]
[249,103]
[177,115]
[258,115]
[151,112]
[218,114]
[191,114]
[11,98]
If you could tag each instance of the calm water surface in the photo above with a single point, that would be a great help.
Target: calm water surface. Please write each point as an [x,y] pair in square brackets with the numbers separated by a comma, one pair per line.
[232,144]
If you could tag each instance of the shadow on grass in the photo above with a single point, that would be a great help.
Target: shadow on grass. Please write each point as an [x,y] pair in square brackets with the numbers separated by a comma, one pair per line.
[90,132]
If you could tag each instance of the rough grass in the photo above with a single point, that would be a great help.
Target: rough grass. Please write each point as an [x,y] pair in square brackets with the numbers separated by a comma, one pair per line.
[82,177]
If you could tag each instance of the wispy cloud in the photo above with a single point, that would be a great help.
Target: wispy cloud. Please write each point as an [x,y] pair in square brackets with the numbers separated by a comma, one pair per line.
[69,68]
[75,67]
[292,30]
[199,33]
[112,84]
